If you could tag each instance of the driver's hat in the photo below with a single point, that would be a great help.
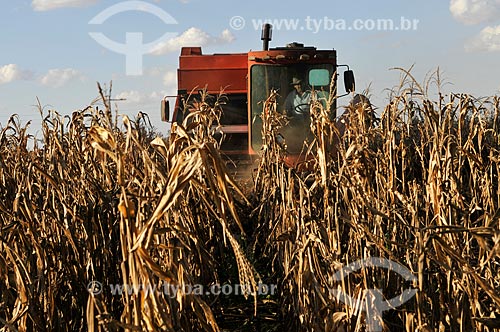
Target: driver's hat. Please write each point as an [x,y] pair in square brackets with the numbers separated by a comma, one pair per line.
[296,81]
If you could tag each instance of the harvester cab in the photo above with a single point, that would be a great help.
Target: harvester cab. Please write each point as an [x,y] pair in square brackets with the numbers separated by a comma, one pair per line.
[247,80]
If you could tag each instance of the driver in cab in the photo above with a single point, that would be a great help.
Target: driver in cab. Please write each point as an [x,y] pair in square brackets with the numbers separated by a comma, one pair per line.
[297,101]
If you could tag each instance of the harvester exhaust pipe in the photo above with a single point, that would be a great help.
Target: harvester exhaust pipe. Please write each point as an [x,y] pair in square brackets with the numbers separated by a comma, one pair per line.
[266,36]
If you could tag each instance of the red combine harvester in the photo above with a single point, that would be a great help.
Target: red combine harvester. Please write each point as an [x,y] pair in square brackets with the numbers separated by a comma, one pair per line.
[247,79]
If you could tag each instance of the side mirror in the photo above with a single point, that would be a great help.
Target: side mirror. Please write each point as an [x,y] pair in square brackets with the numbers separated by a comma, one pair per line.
[165,110]
[349,82]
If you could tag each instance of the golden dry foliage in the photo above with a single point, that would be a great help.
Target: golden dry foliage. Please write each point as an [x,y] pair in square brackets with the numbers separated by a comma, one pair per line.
[96,202]
[419,186]
[93,203]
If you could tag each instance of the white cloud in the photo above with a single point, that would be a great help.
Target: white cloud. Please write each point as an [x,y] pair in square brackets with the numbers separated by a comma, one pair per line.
[59,77]
[12,72]
[44,5]
[475,11]
[155,71]
[170,80]
[138,99]
[9,73]
[192,37]
[487,40]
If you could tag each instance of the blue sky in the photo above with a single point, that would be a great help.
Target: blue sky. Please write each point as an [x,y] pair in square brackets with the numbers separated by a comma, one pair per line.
[47,52]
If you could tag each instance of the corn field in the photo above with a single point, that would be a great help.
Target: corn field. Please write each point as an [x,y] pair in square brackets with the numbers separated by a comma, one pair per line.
[101,202]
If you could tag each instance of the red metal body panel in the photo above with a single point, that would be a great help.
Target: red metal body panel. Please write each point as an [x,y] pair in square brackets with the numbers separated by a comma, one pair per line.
[292,56]
[215,71]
